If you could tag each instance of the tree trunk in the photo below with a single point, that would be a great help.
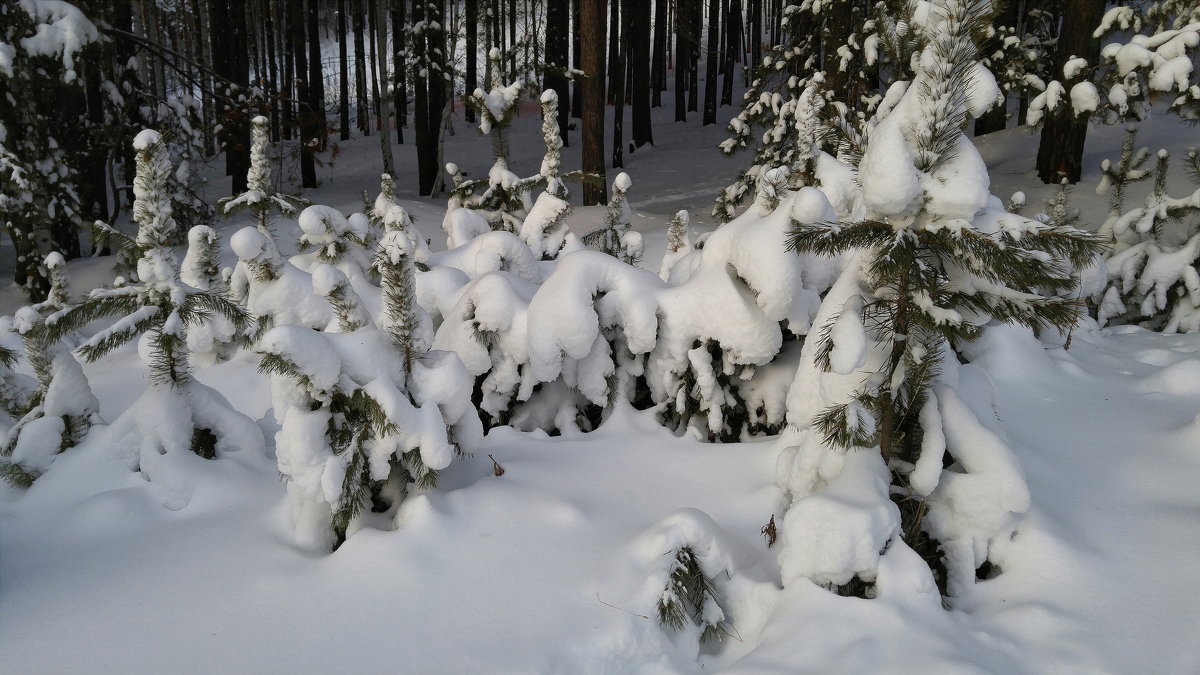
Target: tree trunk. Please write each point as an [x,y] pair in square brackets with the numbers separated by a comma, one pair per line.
[683,46]
[592,48]
[399,62]
[576,61]
[658,64]
[614,45]
[639,58]
[343,74]
[694,28]
[733,30]
[1060,153]
[558,32]
[385,106]
[375,51]
[472,71]
[316,76]
[710,66]
[308,119]
[618,95]
[360,69]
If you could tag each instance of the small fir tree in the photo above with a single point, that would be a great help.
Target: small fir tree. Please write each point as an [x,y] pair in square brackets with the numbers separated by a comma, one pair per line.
[161,309]
[935,263]
[261,198]
[617,238]
[60,410]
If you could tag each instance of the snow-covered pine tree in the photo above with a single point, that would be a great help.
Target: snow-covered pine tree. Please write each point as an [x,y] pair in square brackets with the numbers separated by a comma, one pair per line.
[397,279]
[332,284]
[275,291]
[61,409]
[679,243]
[59,295]
[213,339]
[936,259]
[388,214]
[496,106]
[176,413]
[42,47]
[331,238]
[261,198]
[793,140]
[358,432]
[1114,180]
[616,237]
[1155,280]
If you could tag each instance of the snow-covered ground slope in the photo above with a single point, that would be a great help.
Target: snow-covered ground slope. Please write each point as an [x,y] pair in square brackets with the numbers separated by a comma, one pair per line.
[557,564]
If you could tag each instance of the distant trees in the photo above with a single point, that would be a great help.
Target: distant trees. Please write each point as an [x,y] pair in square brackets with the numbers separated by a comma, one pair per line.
[199,71]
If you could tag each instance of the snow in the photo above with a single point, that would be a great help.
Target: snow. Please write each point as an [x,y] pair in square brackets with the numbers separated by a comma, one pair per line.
[553,565]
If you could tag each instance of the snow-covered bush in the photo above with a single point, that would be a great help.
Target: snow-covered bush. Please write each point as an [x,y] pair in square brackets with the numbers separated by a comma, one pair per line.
[617,238]
[176,413]
[60,410]
[387,213]
[357,430]
[261,198]
[1152,273]
[331,238]
[873,414]
[213,339]
[275,291]
[704,371]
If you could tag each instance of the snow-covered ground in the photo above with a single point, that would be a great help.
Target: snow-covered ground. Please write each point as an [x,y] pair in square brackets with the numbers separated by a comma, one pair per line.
[556,565]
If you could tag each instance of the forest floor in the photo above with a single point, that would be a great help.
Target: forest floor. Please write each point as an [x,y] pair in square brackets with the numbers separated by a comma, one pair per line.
[551,566]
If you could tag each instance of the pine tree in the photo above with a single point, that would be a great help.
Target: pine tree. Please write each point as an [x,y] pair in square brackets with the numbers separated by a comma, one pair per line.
[1152,276]
[387,213]
[60,411]
[260,197]
[161,308]
[932,268]
[397,277]
[617,238]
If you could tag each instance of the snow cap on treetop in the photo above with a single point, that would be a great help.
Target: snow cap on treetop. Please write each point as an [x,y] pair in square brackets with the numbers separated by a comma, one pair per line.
[145,139]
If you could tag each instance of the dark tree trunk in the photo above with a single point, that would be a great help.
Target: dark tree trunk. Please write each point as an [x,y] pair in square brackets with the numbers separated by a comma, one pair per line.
[471,14]
[308,119]
[592,48]
[229,65]
[694,24]
[558,32]
[639,58]
[273,72]
[421,121]
[710,66]
[343,72]
[733,31]
[374,49]
[614,46]
[1060,153]
[576,61]
[683,46]
[658,64]
[316,78]
[618,95]
[512,40]
[360,69]
[399,61]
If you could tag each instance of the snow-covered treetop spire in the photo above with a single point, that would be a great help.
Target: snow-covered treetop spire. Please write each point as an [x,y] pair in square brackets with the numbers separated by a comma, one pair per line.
[552,161]
[152,209]
[258,178]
